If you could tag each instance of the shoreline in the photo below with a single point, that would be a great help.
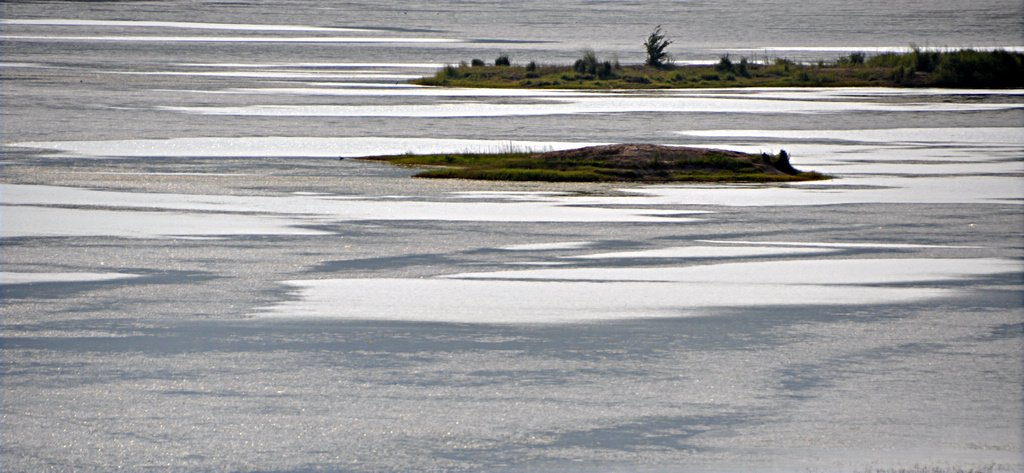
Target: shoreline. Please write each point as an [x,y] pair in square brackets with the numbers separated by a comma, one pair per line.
[965,68]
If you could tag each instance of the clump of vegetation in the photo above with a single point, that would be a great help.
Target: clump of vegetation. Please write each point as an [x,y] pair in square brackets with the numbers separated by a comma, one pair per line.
[627,163]
[724,64]
[589,64]
[655,48]
[918,68]
[961,68]
[742,68]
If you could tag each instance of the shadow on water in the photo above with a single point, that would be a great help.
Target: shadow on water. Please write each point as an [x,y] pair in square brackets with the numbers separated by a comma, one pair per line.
[727,329]
[57,290]
[652,431]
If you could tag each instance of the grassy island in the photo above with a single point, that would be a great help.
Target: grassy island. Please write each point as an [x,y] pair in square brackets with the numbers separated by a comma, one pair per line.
[963,68]
[610,163]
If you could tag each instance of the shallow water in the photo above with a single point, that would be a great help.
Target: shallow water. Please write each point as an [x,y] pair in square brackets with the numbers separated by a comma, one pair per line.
[192,281]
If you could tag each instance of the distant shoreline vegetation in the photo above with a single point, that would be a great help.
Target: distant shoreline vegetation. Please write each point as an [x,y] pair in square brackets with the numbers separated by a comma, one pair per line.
[963,68]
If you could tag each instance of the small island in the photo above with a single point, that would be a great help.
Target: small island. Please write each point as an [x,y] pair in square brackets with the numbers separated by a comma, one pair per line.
[641,163]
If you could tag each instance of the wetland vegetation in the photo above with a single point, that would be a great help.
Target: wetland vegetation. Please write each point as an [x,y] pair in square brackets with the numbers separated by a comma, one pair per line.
[609,163]
[964,68]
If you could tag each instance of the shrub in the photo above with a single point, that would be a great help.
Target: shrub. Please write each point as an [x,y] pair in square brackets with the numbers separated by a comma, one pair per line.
[451,72]
[923,61]
[532,66]
[969,68]
[655,47]
[587,64]
[742,68]
[477,63]
[502,60]
[724,64]
[781,162]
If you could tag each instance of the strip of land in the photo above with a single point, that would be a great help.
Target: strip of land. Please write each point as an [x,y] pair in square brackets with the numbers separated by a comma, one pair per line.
[610,163]
[963,68]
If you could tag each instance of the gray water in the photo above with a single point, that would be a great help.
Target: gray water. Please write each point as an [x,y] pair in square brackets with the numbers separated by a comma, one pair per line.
[192,281]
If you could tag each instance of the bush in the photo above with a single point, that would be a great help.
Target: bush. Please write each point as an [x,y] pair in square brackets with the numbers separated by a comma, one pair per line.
[532,66]
[502,60]
[477,63]
[742,69]
[451,72]
[781,162]
[587,64]
[969,68]
[724,64]
[655,47]
[923,61]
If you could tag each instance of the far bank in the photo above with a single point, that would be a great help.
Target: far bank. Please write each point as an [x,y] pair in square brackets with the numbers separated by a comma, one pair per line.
[964,68]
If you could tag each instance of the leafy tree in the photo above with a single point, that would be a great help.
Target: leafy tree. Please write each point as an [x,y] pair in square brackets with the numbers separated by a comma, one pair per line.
[655,46]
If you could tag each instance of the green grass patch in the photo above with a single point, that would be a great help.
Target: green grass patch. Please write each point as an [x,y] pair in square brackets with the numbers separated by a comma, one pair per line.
[616,163]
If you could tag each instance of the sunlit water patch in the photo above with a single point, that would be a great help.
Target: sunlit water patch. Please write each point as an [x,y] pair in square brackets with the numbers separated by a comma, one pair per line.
[281,75]
[409,90]
[961,137]
[574,295]
[30,210]
[787,272]
[230,39]
[868,190]
[882,246]
[283,147]
[32,221]
[597,103]
[707,252]
[776,51]
[171,24]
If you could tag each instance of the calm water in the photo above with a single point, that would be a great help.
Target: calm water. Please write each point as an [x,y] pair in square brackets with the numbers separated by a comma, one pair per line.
[193,282]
